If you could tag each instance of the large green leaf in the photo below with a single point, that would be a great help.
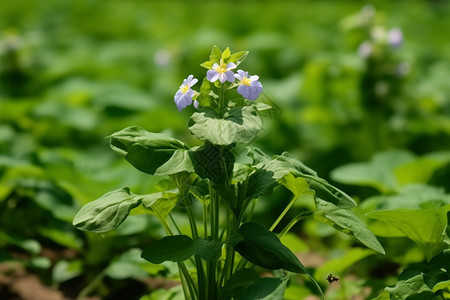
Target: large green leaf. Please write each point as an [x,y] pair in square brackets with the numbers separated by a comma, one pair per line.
[282,165]
[108,211]
[160,203]
[414,196]
[175,248]
[423,226]
[238,125]
[178,248]
[263,248]
[265,289]
[238,283]
[378,173]
[343,219]
[422,281]
[148,151]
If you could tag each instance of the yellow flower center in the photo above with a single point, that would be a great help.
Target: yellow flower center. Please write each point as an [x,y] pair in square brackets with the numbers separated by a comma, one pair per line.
[184,89]
[222,68]
[246,81]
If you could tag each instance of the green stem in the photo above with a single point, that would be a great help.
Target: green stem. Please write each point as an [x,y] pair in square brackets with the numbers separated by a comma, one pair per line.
[193,291]
[92,285]
[286,209]
[186,279]
[221,97]
[294,221]
[174,223]
[229,260]
[205,219]
[198,263]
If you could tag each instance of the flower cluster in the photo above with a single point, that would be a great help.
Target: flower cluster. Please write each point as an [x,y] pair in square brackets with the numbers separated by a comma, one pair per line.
[379,36]
[247,86]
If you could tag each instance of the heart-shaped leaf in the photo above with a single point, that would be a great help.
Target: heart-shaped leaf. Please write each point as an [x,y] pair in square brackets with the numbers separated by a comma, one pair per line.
[238,125]
[423,226]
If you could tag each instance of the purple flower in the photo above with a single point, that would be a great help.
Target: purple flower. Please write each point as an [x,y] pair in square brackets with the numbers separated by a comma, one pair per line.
[395,37]
[249,87]
[221,72]
[184,95]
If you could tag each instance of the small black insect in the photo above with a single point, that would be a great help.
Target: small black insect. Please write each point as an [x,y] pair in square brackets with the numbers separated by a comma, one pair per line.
[332,278]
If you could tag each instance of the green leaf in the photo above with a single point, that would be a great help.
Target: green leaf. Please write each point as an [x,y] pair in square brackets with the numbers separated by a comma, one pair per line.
[298,186]
[207,64]
[214,57]
[263,248]
[339,266]
[207,249]
[238,125]
[423,226]
[65,270]
[344,220]
[238,283]
[207,94]
[148,151]
[62,236]
[40,262]
[161,203]
[414,196]
[422,281]
[238,57]
[378,173]
[127,265]
[265,289]
[179,162]
[108,211]
[294,242]
[216,54]
[419,170]
[29,245]
[282,165]
[226,54]
[178,248]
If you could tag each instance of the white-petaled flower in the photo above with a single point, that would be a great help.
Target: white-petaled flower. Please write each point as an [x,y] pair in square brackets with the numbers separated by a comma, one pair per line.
[184,95]
[222,72]
[395,37]
[249,86]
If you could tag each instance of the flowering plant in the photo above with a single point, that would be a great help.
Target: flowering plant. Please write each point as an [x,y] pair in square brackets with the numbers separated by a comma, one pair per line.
[217,258]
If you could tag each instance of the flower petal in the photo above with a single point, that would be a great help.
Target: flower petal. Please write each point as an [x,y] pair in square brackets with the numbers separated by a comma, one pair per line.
[230,76]
[231,66]
[212,75]
[193,81]
[222,77]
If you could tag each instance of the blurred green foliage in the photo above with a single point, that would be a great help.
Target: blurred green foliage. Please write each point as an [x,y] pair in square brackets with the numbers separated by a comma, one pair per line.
[73,72]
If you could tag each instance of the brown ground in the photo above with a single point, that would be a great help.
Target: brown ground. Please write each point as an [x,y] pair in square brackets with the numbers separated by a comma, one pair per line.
[17,284]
